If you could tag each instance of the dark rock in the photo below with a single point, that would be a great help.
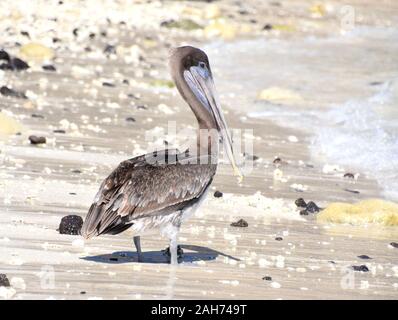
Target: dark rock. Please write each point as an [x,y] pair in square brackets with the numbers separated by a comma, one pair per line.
[312,207]
[109,49]
[277,160]
[75,32]
[4,282]
[49,67]
[142,107]
[37,140]
[217,194]
[7,92]
[82,292]
[4,55]
[25,34]
[71,224]
[376,83]
[91,35]
[352,191]
[125,81]
[130,119]
[303,213]
[278,238]
[108,84]
[103,34]
[241,224]
[300,203]
[394,244]
[59,131]
[361,268]
[18,64]
[76,171]
[349,175]
[38,116]
[364,256]
[268,26]
[267,278]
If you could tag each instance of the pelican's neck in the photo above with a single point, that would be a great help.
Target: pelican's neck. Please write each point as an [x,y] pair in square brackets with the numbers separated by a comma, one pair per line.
[206,144]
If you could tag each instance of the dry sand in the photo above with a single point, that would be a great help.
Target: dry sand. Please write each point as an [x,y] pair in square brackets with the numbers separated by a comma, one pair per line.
[39,184]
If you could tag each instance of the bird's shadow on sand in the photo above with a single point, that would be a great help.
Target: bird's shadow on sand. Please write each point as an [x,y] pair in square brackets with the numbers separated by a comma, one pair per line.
[191,254]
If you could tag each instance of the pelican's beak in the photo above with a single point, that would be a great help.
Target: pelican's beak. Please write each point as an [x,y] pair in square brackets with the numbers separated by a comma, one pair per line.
[201,82]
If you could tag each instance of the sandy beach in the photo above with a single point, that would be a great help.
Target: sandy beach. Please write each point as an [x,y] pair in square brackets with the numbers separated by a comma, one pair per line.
[110,87]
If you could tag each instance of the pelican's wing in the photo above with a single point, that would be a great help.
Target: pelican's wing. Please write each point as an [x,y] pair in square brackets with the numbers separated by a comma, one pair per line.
[137,188]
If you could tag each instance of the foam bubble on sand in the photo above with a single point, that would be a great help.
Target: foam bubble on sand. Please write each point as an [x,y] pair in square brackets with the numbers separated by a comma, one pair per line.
[367,211]
[256,205]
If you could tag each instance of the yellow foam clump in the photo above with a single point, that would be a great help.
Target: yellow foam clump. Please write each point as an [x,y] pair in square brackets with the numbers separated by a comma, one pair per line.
[36,51]
[9,125]
[279,94]
[366,211]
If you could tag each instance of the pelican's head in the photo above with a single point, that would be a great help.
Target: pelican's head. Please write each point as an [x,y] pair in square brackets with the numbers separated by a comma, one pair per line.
[190,69]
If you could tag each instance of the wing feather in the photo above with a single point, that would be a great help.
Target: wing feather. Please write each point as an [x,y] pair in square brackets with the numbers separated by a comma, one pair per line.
[137,188]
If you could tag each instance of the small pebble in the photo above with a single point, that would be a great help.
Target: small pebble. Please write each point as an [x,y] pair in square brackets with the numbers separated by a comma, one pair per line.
[14,64]
[278,238]
[7,92]
[130,119]
[218,194]
[364,256]
[267,278]
[59,131]
[361,268]
[352,191]
[300,203]
[312,207]
[268,26]
[71,224]
[108,84]
[37,140]
[4,282]
[4,55]
[49,67]
[394,244]
[349,175]
[241,223]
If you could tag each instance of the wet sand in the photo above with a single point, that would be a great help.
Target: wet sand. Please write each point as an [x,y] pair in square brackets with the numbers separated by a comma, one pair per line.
[41,184]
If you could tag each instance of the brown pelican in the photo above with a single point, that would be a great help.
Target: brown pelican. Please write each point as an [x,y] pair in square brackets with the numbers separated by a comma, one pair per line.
[145,195]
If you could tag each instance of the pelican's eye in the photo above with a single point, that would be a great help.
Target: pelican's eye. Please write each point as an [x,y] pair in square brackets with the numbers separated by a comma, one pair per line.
[202,65]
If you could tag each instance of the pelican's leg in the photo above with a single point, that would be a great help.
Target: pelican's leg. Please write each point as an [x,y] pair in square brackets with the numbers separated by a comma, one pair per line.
[173,250]
[137,243]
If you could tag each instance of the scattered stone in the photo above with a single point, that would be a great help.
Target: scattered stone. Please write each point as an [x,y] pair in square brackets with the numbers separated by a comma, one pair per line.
[394,244]
[49,67]
[71,224]
[303,213]
[76,171]
[361,268]
[364,256]
[4,55]
[4,282]
[37,140]
[349,175]
[267,278]
[7,92]
[59,131]
[312,207]
[108,84]
[130,119]
[82,292]
[38,116]
[376,83]
[241,224]
[352,191]
[300,203]
[109,49]
[267,27]
[218,194]
[278,238]
[277,160]
[14,64]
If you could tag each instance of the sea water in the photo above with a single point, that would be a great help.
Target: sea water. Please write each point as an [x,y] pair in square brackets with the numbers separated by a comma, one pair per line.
[348,86]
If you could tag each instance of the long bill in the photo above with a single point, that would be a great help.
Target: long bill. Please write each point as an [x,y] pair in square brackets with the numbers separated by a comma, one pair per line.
[201,83]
